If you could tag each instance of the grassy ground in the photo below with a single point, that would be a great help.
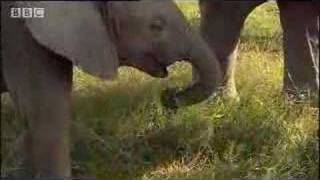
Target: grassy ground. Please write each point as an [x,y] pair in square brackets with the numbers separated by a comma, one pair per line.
[120,131]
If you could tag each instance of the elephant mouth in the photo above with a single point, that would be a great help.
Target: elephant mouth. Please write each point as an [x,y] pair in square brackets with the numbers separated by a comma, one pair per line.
[159,73]
[163,73]
[155,67]
[149,64]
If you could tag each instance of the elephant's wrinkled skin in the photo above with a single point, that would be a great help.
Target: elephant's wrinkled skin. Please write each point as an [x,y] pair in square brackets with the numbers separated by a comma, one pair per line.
[38,56]
[221,23]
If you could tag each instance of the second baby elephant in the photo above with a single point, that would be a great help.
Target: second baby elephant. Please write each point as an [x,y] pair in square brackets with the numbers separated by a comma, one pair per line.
[38,55]
[221,24]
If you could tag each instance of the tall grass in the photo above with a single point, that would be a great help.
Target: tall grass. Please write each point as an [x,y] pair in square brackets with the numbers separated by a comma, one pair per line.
[120,131]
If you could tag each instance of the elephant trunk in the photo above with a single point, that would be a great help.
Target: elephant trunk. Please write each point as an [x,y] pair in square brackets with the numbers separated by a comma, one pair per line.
[207,69]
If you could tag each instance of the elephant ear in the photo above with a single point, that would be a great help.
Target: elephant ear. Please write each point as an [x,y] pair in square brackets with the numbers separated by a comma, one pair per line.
[76,31]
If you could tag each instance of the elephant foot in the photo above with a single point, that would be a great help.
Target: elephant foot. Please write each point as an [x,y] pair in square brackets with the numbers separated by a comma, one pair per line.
[230,94]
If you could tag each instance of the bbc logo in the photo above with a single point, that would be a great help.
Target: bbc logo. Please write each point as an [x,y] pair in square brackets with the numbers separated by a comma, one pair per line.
[27,12]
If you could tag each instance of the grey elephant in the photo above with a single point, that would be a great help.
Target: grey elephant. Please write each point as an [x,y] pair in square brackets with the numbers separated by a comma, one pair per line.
[38,55]
[222,21]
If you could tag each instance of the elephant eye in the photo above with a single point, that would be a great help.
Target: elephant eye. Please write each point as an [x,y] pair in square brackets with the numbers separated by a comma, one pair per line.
[157,25]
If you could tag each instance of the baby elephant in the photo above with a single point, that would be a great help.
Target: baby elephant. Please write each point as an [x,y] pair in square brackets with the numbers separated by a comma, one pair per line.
[38,55]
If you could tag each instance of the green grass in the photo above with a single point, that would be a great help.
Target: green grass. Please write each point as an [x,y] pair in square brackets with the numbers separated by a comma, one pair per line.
[120,131]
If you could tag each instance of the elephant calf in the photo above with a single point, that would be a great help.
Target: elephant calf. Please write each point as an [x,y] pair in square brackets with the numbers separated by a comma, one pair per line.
[38,55]
[222,21]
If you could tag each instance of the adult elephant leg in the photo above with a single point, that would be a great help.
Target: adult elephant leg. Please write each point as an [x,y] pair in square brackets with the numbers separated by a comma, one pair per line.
[40,86]
[2,83]
[221,24]
[300,23]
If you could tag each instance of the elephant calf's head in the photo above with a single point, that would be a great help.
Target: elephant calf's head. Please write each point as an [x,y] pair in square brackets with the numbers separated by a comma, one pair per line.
[151,35]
